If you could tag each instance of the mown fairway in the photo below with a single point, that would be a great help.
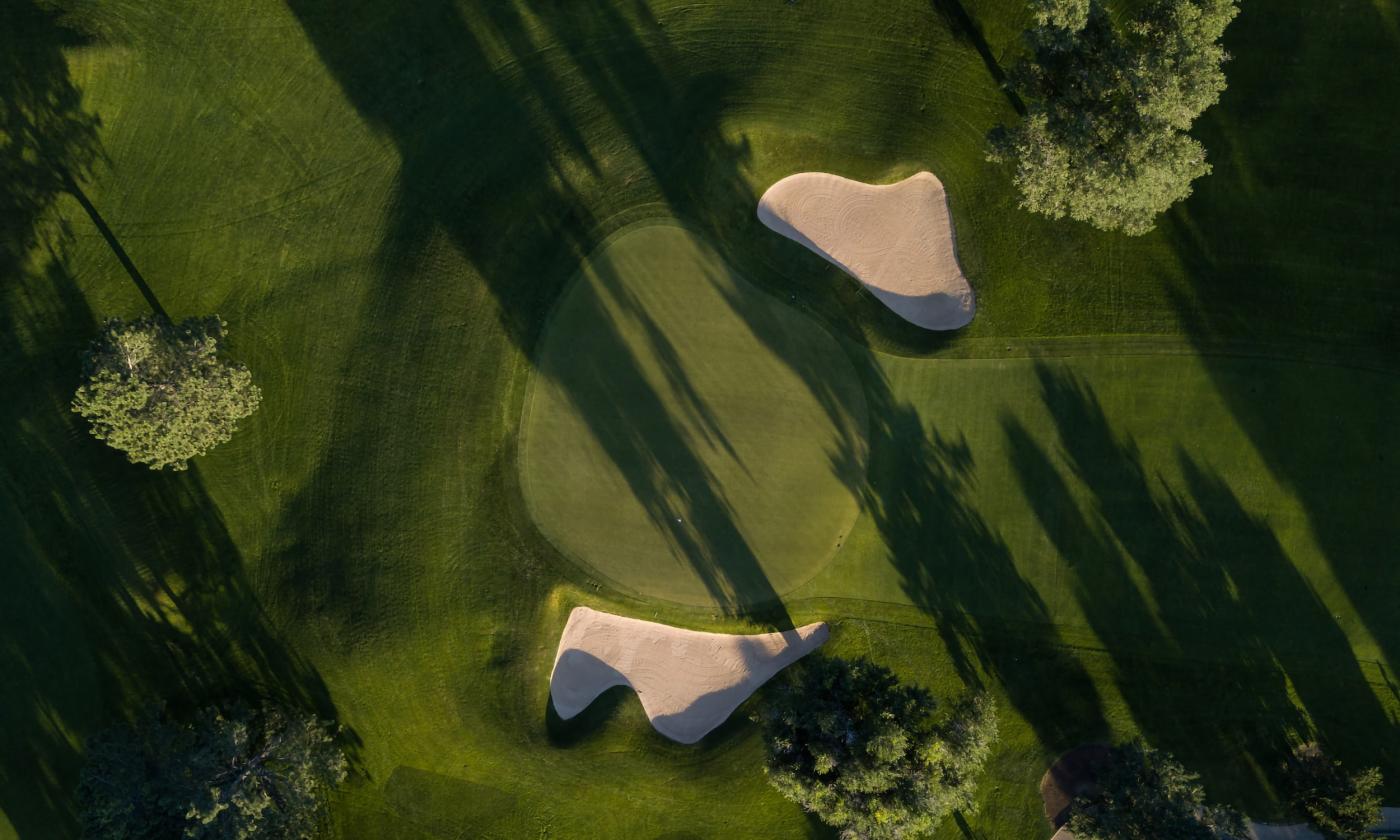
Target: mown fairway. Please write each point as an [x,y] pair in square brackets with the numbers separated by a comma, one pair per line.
[1150,489]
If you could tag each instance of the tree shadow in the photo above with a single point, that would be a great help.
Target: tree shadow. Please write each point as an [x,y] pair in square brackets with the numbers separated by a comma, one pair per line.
[1184,588]
[468,97]
[962,25]
[121,587]
[1289,240]
[124,587]
[46,137]
[959,570]
[628,418]
[505,116]
[48,142]
[117,250]
[1288,249]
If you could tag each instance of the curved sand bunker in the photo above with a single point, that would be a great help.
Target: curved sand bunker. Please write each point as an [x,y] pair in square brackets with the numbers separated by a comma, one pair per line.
[897,240]
[689,682]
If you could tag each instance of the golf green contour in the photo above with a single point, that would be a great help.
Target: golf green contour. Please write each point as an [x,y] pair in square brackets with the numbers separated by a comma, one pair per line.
[348,348]
[666,443]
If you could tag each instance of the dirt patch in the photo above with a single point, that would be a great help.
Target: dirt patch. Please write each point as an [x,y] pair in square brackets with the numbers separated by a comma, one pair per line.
[1075,774]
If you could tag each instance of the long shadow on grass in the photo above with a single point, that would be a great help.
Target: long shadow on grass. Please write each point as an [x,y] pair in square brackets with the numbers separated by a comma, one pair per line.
[48,142]
[120,587]
[115,245]
[915,483]
[1290,243]
[960,571]
[46,137]
[505,116]
[682,497]
[962,25]
[1184,588]
[469,98]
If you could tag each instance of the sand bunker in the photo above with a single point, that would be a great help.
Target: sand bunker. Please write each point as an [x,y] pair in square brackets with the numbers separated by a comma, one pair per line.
[689,682]
[897,240]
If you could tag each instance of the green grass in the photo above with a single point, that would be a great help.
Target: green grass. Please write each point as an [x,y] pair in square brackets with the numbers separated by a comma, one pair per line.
[1105,501]
[1098,497]
[665,446]
[385,201]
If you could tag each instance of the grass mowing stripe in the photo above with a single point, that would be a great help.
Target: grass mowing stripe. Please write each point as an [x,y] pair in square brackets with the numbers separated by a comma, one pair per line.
[481,201]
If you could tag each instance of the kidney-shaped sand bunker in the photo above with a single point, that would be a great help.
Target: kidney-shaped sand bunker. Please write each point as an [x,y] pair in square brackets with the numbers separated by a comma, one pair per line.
[687,435]
[896,239]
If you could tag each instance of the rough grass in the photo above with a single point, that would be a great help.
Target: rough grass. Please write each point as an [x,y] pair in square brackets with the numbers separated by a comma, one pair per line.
[385,199]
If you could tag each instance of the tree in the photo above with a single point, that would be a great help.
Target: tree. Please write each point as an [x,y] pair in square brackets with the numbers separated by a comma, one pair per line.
[1338,805]
[229,774]
[1146,795]
[849,743]
[161,393]
[1060,18]
[1104,136]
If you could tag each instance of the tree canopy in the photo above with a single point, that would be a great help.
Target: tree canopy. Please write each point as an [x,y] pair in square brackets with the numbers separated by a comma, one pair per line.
[1146,795]
[229,774]
[1104,136]
[161,392]
[848,742]
[1340,805]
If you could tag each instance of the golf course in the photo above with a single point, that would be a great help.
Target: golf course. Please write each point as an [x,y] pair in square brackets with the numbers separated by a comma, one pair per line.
[524,345]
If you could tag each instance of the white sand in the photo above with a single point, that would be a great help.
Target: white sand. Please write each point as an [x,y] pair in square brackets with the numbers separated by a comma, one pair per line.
[897,240]
[689,682]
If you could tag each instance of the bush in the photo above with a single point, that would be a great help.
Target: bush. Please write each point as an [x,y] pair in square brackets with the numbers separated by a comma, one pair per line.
[849,743]
[230,774]
[1146,795]
[161,393]
[1339,805]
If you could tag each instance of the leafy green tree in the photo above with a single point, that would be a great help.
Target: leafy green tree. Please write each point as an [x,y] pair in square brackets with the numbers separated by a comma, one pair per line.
[1146,795]
[1104,137]
[161,393]
[1060,18]
[1339,805]
[866,754]
[229,774]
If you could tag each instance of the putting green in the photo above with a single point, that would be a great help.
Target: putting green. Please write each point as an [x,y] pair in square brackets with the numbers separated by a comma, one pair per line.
[687,436]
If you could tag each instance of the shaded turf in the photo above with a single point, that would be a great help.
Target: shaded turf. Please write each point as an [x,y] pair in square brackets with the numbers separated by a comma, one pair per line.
[1111,503]
[669,449]
[384,200]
